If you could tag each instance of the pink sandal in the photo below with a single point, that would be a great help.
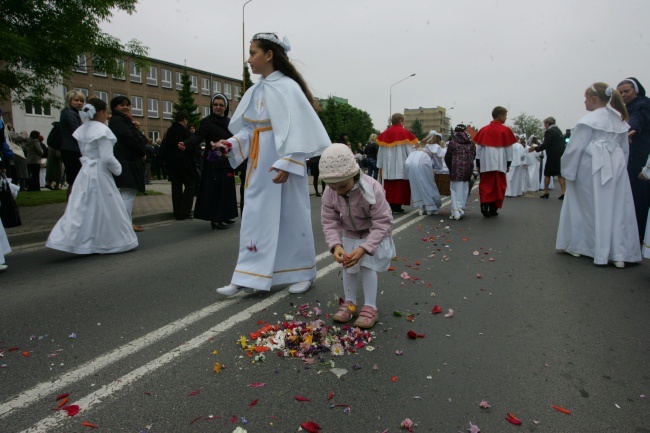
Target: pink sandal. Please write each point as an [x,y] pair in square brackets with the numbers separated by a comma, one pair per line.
[368,316]
[345,313]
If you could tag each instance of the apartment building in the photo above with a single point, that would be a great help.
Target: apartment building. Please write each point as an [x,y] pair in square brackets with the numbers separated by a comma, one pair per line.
[152,92]
[431,118]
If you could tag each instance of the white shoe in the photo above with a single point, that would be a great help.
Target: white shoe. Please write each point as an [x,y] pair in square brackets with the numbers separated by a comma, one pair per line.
[421,212]
[573,254]
[3,267]
[229,290]
[619,264]
[454,217]
[300,287]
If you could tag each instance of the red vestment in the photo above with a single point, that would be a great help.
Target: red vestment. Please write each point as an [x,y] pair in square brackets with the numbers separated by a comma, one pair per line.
[492,188]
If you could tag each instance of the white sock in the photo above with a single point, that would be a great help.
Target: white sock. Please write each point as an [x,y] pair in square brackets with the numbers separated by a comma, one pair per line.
[350,282]
[369,281]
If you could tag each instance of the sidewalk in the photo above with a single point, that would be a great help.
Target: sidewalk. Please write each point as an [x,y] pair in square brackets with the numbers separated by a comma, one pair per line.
[38,221]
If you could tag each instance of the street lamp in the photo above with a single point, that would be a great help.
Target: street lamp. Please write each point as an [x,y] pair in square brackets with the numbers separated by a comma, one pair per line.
[243,43]
[390,107]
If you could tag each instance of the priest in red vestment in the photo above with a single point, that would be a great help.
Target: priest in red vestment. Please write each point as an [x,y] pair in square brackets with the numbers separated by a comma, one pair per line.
[493,157]
[395,144]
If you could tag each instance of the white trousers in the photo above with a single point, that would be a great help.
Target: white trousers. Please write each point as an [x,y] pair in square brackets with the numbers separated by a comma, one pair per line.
[459,192]
[128,196]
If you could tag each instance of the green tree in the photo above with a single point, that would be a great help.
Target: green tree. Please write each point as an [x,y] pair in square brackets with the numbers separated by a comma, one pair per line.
[40,41]
[247,82]
[186,101]
[416,129]
[529,125]
[342,117]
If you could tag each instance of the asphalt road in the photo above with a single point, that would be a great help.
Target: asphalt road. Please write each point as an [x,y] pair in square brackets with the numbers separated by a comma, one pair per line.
[132,337]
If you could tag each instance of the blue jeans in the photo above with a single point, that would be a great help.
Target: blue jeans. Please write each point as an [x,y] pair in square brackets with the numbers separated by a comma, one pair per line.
[371,163]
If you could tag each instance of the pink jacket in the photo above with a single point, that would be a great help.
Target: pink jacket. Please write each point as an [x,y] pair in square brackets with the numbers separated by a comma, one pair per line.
[355,218]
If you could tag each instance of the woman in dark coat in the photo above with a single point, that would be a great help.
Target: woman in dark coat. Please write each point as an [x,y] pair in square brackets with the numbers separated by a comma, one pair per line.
[554,146]
[129,151]
[217,199]
[69,122]
[638,107]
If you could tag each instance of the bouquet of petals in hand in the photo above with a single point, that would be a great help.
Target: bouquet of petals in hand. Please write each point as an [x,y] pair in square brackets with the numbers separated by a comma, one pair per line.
[217,152]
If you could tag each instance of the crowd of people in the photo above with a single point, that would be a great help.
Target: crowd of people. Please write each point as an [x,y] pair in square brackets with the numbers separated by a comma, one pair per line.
[275,140]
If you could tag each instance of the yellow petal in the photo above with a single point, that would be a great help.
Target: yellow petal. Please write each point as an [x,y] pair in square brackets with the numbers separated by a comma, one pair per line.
[217,367]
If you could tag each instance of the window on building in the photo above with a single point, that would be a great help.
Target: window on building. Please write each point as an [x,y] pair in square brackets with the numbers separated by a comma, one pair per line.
[102,95]
[136,106]
[36,109]
[152,76]
[65,91]
[98,72]
[81,64]
[135,72]
[216,87]
[168,108]
[154,135]
[152,108]
[197,111]
[83,91]
[227,88]
[120,64]
[166,78]
[206,111]
[205,86]
[237,93]
[179,80]
[194,83]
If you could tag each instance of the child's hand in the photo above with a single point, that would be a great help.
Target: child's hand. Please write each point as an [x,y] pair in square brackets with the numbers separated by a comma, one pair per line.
[354,258]
[339,254]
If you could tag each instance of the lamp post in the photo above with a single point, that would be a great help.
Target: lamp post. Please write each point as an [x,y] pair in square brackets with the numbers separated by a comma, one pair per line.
[243,43]
[390,106]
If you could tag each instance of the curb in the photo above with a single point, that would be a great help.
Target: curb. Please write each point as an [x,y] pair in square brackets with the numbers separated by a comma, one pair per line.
[40,236]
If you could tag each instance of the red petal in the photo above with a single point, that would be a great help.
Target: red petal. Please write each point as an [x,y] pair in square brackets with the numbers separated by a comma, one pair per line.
[194,392]
[63,402]
[436,310]
[513,419]
[330,395]
[301,398]
[195,419]
[11,349]
[26,354]
[561,409]
[72,409]
[254,402]
[62,396]
[89,424]
[420,335]
[311,427]
[256,384]
[412,335]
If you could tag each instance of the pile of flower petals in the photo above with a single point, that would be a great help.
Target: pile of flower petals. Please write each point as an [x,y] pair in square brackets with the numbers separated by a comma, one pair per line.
[292,338]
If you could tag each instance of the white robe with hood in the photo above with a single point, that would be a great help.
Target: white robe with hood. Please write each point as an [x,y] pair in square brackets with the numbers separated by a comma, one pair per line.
[276,243]
[518,173]
[424,191]
[597,218]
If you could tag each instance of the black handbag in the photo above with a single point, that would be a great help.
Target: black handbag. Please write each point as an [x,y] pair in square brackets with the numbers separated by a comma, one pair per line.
[8,207]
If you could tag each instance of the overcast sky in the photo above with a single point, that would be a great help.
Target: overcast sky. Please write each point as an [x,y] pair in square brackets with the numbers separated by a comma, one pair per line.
[533,57]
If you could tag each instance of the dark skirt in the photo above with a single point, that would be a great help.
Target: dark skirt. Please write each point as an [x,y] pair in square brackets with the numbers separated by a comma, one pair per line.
[217,197]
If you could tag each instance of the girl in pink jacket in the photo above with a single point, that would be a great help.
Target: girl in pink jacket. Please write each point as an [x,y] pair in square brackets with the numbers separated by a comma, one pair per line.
[357,222]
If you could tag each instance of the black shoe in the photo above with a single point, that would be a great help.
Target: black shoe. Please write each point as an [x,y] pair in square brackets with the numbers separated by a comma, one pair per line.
[229,221]
[561,197]
[545,196]
[485,210]
[218,226]
[317,195]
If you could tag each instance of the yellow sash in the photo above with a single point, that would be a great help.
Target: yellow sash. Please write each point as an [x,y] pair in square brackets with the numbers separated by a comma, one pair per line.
[254,152]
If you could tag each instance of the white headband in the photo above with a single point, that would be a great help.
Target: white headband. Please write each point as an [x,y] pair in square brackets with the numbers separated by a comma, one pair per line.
[633,83]
[608,91]
[286,46]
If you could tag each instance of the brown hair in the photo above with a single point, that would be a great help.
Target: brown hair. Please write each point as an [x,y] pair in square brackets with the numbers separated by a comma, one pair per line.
[615,100]
[396,118]
[499,111]
[281,63]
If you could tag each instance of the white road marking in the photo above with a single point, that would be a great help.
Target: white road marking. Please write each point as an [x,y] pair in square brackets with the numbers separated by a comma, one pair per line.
[86,403]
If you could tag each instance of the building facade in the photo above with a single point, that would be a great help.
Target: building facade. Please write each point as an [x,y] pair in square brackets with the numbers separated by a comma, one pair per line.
[152,91]
[431,118]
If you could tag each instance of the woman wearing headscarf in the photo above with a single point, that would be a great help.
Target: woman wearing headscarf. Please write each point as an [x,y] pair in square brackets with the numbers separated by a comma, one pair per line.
[638,107]
[217,198]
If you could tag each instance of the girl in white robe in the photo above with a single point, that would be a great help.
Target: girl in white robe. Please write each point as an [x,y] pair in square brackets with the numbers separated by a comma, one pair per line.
[4,247]
[516,176]
[95,220]
[424,191]
[276,128]
[532,162]
[597,218]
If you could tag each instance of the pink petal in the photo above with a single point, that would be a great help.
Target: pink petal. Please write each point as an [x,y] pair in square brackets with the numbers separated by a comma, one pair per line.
[450,314]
